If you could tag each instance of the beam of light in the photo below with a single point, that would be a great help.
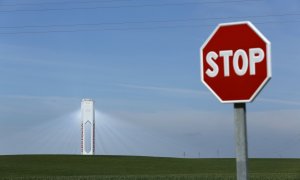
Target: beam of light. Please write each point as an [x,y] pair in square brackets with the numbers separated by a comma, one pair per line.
[127,136]
[55,136]
[116,136]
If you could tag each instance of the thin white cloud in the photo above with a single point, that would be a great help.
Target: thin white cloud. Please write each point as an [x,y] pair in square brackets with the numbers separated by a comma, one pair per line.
[192,92]
[279,101]
[52,59]
[10,96]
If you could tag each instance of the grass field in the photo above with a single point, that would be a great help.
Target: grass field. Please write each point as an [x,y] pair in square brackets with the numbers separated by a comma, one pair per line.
[67,167]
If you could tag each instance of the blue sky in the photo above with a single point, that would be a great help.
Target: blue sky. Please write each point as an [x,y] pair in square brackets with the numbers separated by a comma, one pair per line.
[139,60]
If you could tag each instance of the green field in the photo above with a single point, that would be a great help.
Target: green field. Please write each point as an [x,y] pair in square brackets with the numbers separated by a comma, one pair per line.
[67,167]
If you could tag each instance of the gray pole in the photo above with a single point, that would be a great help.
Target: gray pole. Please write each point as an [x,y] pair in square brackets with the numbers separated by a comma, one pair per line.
[241,141]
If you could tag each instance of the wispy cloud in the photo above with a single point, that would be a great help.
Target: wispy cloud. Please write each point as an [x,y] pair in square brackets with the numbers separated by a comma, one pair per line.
[31,97]
[52,59]
[192,92]
[279,101]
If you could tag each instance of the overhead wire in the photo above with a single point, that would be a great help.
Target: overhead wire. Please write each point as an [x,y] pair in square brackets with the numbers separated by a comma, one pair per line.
[87,26]
[134,28]
[126,6]
[63,2]
[152,21]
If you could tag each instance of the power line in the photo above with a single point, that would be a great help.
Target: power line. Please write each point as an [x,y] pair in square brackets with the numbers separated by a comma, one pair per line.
[63,2]
[145,22]
[136,28]
[127,6]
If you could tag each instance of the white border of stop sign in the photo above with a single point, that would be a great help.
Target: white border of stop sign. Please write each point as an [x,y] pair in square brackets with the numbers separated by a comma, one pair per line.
[212,73]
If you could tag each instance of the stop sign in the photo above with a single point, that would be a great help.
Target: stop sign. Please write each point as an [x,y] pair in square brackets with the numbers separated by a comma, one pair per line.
[235,62]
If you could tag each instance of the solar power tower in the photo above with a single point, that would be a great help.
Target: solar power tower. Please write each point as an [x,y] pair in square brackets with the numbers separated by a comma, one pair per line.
[87,127]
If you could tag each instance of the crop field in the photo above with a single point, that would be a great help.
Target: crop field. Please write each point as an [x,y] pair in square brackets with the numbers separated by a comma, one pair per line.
[77,167]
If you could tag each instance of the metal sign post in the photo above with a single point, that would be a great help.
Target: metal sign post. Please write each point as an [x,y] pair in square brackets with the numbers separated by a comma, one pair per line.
[241,141]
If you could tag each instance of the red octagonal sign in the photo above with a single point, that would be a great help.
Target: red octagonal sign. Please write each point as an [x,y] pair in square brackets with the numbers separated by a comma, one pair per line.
[236,62]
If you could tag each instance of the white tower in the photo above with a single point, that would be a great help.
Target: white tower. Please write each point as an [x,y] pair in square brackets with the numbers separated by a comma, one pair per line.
[87,127]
